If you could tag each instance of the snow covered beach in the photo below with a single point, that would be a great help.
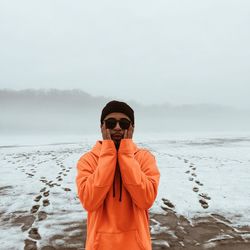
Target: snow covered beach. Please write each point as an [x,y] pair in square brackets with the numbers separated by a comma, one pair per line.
[203,200]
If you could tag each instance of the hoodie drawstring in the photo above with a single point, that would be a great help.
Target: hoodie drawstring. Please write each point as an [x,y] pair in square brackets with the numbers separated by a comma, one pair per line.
[114,187]
[117,169]
[120,198]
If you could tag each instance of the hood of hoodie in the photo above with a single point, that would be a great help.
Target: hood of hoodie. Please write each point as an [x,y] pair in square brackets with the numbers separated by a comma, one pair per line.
[96,151]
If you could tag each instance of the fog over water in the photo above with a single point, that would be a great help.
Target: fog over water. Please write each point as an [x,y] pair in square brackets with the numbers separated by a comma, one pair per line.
[77,112]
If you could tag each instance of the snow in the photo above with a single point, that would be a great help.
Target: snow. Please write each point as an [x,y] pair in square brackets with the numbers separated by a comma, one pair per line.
[220,163]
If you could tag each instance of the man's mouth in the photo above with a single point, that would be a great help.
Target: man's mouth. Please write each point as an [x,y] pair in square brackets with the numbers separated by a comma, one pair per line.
[117,136]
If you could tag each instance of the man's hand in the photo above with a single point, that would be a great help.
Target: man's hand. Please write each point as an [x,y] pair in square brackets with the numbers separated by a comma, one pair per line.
[105,133]
[128,134]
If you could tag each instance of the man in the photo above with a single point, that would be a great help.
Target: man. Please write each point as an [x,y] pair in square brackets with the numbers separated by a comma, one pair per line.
[117,183]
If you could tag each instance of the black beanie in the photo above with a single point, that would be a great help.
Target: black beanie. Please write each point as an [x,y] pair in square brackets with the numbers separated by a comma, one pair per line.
[116,106]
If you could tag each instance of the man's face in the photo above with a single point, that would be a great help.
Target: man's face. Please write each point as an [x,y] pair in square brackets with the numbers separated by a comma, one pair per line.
[117,133]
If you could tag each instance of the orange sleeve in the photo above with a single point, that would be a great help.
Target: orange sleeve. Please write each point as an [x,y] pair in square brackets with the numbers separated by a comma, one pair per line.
[95,177]
[140,179]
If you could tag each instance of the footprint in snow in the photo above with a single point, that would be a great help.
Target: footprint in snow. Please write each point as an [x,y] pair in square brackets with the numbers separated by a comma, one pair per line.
[30,244]
[45,194]
[38,198]
[42,215]
[29,175]
[46,202]
[33,234]
[203,203]
[168,203]
[205,196]
[43,189]
[34,209]
[199,183]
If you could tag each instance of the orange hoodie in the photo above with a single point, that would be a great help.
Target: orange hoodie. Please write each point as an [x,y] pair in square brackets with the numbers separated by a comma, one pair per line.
[117,222]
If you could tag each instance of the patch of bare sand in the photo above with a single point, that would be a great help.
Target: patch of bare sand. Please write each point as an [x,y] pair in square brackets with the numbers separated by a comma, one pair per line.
[172,231]
[168,231]
[73,237]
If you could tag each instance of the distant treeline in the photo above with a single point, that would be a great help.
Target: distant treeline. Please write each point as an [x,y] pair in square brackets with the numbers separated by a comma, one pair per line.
[52,99]
[77,111]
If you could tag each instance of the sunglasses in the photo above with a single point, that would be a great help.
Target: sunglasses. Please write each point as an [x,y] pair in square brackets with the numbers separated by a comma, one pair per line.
[123,123]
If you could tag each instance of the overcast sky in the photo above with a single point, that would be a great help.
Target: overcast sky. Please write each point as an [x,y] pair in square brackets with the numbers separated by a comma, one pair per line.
[150,51]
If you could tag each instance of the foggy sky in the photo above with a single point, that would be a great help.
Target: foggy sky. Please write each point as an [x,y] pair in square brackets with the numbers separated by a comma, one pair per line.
[150,51]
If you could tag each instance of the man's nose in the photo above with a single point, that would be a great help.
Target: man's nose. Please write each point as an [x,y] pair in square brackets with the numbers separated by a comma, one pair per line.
[117,126]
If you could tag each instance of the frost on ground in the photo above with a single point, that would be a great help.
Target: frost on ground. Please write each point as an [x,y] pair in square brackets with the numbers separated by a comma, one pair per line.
[38,194]
[203,199]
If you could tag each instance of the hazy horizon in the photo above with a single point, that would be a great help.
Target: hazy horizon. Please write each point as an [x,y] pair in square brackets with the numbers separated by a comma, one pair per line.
[173,52]
[126,99]
[76,111]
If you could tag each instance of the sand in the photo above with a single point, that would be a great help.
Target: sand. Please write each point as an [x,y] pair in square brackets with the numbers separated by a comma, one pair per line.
[168,231]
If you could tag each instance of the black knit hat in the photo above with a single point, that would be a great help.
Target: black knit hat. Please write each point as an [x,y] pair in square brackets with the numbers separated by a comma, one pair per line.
[116,106]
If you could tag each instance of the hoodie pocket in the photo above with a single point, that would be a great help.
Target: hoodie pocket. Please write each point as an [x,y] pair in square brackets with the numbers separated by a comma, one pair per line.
[113,241]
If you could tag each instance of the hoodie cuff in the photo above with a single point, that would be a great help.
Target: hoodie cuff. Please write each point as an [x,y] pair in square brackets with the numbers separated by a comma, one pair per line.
[107,146]
[126,146]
